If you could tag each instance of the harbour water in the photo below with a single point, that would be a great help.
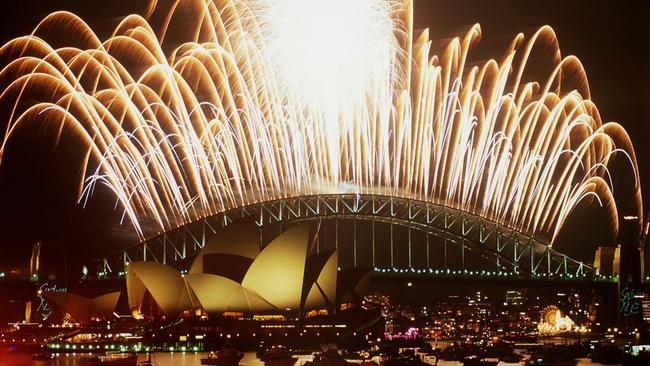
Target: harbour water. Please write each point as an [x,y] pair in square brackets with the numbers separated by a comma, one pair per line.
[183,359]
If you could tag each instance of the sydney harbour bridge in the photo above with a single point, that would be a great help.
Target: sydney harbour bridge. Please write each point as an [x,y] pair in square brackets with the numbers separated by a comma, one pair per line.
[406,241]
[456,239]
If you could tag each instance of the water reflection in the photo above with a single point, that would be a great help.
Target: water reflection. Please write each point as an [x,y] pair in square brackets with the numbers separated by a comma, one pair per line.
[159,359]
[178,359]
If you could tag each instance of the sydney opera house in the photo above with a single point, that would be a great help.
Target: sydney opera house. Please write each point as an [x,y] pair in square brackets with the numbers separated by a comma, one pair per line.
[232,274]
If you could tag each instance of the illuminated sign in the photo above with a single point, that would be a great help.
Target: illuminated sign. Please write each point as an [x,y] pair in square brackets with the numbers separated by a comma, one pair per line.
[43,306]
[629,306]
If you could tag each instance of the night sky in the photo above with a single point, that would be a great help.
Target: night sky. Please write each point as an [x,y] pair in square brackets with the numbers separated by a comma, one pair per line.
[611,38]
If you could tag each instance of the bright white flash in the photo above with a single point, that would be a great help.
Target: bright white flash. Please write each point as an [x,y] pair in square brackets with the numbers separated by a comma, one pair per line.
[332,54]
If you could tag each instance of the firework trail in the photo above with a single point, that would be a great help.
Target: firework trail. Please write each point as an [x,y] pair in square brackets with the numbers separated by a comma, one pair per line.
[236,102]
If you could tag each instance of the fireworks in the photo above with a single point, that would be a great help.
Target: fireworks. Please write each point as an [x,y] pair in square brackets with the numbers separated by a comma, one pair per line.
[244,101]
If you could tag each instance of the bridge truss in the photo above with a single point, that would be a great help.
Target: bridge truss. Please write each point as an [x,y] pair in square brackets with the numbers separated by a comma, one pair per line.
[502,249]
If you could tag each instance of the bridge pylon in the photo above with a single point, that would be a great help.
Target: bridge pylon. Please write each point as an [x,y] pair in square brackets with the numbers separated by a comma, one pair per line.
[630,272]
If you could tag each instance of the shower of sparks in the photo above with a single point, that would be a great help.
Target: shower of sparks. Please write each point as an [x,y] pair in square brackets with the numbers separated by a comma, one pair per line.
[245,101]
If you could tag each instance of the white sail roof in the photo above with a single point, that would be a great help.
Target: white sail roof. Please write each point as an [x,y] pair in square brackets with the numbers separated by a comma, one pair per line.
[277,273]
[218,294]
[165,284]
[323,291]
[83,309]
[237,238]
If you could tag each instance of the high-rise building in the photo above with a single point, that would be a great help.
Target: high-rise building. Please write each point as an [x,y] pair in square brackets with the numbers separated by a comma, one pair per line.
[645,308]
[514,298]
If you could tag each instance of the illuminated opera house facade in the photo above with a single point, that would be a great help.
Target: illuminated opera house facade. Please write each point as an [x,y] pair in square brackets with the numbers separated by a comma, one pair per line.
[232,274]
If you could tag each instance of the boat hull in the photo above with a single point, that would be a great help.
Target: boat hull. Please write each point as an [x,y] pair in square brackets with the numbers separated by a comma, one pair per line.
[289,361]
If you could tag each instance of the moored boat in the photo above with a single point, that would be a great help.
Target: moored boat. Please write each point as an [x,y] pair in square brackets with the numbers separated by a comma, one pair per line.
[42,356]
[278,356]
[225,357]
[480,361]
[607,355]
[330,357]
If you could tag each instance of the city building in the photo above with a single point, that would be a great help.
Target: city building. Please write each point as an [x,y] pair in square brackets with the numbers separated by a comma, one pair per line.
[514,298]
[645,308]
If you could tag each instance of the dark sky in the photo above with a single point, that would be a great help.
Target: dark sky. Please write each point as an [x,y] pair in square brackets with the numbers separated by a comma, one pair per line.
[611,38]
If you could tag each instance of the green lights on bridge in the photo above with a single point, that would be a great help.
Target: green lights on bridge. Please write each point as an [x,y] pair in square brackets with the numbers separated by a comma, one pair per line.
[496,274]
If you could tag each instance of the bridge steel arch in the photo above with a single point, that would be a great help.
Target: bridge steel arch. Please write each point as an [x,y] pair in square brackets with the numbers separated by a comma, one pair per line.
[512,252]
